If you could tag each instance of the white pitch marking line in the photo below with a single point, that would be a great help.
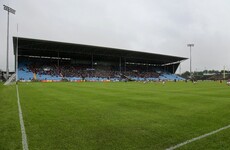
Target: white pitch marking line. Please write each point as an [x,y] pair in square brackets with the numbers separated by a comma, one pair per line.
[198,138]
[23,130]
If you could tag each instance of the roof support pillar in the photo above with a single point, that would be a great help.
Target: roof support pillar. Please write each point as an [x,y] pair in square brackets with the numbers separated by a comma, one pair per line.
[173,69]
[147,67]
[92,60]
[125,64]
[120,65]
[58,60]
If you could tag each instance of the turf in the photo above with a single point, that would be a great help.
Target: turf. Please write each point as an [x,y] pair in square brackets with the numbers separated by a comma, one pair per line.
[10,133]
[117,115]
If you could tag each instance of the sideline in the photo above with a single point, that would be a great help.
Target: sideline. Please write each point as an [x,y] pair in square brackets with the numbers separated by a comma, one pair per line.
[23,130]
[198,138]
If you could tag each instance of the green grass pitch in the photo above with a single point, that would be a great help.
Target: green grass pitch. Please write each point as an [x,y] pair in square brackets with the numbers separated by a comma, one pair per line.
[115,116]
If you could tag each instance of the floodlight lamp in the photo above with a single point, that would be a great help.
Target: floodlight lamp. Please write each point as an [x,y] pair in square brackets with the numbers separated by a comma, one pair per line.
[190,45]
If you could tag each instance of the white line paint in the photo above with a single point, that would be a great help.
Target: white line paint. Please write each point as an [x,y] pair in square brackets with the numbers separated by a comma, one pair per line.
[23,130]
[198,138]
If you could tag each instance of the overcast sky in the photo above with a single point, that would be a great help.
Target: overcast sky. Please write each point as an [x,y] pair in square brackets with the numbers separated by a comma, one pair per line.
[157,26]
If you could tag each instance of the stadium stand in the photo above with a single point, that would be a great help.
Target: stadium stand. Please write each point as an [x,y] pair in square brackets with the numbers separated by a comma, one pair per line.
[55,61]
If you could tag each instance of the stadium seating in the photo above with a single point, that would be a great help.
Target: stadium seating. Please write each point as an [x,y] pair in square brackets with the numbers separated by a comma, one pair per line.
[48,70]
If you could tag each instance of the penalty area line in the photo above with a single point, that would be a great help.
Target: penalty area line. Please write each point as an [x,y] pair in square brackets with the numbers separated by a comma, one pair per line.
[198,138]
[23,130]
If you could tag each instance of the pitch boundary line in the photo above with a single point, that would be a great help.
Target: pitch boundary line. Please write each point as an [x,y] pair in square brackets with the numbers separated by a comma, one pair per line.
[198,138]
[23,130]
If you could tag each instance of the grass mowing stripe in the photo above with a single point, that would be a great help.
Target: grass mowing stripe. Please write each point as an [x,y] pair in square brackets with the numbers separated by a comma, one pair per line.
[198,138]
[23,130]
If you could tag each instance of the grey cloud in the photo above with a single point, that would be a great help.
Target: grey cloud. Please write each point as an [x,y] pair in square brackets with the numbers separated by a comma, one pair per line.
[157,26]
